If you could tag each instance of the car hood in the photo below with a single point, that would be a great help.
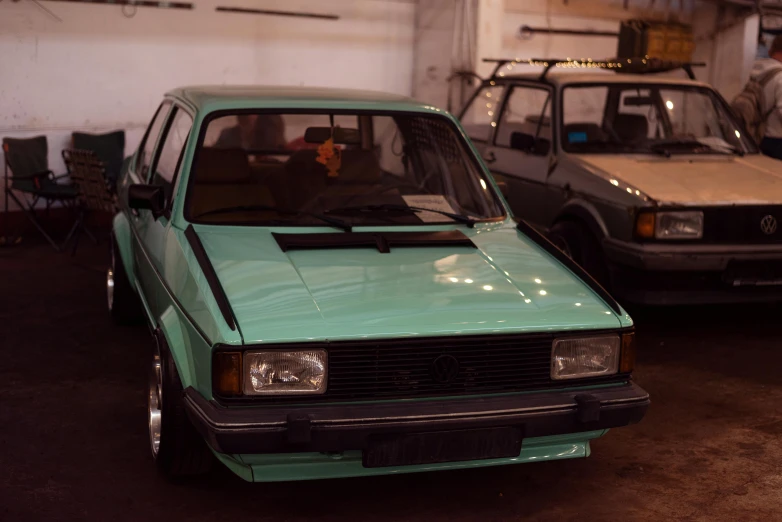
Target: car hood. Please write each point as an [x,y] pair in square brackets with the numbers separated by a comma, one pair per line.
[507,284]
[694,180]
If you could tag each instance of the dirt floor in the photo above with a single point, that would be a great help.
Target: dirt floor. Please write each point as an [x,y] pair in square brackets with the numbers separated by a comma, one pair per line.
[73,441]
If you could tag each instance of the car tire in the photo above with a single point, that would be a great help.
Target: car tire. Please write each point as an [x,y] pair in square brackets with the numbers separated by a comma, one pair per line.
[177,448]
[580,244]
[123,302]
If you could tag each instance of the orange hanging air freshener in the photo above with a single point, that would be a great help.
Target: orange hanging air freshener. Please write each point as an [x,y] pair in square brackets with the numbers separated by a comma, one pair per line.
[330,156]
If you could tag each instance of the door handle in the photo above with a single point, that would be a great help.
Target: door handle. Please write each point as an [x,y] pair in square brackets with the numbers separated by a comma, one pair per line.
[489,157]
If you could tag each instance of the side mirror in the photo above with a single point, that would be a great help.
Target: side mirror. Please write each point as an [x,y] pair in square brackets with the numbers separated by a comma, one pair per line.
[503,186]
[148,197]
[528,143]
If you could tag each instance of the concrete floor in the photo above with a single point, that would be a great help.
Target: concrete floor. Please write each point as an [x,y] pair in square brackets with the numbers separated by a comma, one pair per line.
[74,443]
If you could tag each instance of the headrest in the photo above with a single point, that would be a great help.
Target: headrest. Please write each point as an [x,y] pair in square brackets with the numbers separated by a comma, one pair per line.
[631,127]
[218,166]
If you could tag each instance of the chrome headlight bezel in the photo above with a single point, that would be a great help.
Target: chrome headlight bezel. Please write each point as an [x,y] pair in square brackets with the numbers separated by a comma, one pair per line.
[564,356]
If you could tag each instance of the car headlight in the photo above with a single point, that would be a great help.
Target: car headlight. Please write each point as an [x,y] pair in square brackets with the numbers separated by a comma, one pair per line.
[585,357]
[282,373]
[670,225]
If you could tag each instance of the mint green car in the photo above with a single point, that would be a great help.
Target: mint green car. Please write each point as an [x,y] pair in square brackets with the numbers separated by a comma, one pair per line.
[336,287]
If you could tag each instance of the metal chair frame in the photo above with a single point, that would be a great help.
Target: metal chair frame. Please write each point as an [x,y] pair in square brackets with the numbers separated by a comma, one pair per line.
[27,205]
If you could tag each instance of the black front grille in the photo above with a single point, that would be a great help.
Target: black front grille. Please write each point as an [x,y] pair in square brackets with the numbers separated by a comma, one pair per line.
[741,224]
[402,368]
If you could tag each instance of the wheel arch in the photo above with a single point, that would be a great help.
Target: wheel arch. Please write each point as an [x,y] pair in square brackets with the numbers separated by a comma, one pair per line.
[585,212]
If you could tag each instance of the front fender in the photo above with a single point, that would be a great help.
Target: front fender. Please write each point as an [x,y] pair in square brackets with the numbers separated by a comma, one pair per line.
[171,329]
[123,240]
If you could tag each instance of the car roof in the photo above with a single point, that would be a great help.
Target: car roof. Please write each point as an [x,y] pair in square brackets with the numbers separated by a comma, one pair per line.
[217,97]
[566,78]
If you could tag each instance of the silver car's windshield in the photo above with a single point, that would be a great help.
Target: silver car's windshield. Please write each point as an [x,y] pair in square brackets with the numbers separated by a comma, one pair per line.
[648,118]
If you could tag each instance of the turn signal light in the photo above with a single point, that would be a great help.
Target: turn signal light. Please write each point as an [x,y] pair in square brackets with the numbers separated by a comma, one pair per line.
[227,374]
[644,225]
[627,357]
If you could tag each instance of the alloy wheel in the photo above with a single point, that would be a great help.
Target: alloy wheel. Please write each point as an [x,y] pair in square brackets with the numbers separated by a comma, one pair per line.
[110,283]
[155,404]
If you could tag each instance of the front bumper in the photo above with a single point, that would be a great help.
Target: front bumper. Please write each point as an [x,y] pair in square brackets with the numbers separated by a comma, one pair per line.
[346,427]
[692,274]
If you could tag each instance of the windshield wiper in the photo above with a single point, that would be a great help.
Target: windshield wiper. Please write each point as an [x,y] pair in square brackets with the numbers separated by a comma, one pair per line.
[334,222]
[466,220]
[664,147]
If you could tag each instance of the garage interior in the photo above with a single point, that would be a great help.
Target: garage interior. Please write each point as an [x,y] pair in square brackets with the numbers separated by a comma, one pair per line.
[72,392]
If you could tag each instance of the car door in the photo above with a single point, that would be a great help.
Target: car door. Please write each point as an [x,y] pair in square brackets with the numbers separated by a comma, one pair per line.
[138,172]
[163,173]
[522,151]
[479,118]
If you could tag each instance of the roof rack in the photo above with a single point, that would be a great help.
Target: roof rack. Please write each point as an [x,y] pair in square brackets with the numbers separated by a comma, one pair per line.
[640,65]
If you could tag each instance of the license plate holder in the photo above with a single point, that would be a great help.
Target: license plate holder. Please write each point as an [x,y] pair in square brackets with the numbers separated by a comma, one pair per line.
[754,273]
[411,449]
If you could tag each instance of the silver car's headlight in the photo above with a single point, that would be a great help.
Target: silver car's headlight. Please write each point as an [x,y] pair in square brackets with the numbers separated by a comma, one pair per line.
[585,357]
[679,225]
[275,372]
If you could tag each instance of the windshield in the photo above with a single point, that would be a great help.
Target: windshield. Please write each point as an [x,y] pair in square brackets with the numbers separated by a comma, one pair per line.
[336,169]
[648,118]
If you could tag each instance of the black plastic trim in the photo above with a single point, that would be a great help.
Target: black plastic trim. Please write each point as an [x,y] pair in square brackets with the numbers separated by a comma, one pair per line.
[211,276]
[305,400]
[332,427]
[529,231]
[383,241]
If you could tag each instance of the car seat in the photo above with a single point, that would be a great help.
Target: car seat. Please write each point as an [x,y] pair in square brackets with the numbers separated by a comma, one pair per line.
[222,178]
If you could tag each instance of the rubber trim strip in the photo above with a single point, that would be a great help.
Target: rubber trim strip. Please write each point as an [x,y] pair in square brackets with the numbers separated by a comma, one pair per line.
[211,276]
[529,231]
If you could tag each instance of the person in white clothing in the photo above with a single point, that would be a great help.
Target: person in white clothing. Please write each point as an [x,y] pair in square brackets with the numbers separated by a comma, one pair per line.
[771,145]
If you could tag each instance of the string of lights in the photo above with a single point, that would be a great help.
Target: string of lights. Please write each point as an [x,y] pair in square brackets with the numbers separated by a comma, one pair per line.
[639,65]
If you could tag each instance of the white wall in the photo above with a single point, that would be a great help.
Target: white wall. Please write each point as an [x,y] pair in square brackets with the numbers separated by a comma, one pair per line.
[734,54]
[98,70]
[584,15]
[497,24]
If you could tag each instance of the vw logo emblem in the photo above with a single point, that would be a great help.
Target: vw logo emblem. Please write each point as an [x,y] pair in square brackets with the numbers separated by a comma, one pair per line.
[444,369]
[768,225]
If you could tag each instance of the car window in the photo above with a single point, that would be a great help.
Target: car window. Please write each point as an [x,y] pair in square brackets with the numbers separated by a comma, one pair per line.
[150,140]
[480,116]
[171,151]
[527,110]
[641,103]
[652,119]
[585,106]
[292,169]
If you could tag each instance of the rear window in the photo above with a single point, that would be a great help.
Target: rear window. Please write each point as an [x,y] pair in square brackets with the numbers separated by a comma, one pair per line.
[291,169]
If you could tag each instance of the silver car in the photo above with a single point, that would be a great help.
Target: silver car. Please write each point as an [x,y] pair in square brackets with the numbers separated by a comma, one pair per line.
[647,181]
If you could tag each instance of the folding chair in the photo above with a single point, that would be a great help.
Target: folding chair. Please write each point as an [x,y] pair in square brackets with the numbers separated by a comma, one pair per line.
[88,174]
[110,149]
[28,162]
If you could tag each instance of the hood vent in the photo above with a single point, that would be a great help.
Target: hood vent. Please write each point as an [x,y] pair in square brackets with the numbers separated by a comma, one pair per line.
[383,241]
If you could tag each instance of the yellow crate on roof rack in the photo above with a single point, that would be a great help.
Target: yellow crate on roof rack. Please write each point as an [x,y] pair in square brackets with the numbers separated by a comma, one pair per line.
[665,41]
